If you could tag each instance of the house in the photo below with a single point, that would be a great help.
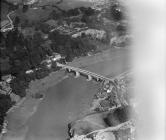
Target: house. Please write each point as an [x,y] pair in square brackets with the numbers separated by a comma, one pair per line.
[29,71]
[56,57]
[53,58]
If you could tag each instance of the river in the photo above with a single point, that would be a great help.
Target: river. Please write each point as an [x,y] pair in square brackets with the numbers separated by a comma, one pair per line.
[63,103]
[72,97]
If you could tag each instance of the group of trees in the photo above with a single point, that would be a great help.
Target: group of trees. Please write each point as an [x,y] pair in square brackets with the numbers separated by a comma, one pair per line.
[87,11]
[5,104]
[21,82]
[24,53]
[70,47]
[84,13]
[115,12]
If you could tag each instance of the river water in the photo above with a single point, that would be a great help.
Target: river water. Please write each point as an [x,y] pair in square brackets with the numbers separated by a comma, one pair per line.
[62,104]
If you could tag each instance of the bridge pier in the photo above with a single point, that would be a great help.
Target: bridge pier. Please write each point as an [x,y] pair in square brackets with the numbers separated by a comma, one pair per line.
[98,79]
[69,70]
[89,78]
[77,74]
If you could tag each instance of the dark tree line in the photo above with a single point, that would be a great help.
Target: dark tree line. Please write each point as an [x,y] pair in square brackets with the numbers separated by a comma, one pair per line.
[5,104]
[24,53]
[70,47]
[87,11]
[84,11]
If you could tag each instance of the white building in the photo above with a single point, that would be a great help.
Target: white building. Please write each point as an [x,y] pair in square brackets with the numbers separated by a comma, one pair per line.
[48,61]
[56,57]
[29,71]
[93,33]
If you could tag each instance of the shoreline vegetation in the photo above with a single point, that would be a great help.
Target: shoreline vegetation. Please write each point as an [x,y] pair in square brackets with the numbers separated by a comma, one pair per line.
[34,40]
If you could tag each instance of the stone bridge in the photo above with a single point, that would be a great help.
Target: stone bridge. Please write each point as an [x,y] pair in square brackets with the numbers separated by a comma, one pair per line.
[90,75]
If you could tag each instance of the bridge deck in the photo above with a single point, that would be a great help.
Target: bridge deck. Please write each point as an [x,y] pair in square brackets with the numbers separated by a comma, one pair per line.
[85,72]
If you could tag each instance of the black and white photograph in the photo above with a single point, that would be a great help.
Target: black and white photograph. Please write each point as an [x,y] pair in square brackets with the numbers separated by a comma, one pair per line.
[83,70]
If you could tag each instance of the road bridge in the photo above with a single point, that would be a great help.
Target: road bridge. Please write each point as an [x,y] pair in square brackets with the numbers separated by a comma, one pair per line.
[90,75]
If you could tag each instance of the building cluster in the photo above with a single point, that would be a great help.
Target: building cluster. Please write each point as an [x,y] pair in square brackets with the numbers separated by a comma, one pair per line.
[106,90]
[66,29]
[55,57]
[106,98]
[92,33]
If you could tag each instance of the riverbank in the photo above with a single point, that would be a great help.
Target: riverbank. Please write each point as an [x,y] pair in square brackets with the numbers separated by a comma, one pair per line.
[18,115]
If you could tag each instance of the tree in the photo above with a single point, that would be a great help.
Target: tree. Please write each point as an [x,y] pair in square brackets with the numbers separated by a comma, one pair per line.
[5,104]
[41,73]
[89,11]
[73,12]
[16,21]
[85,19]
[116,12]
[18,87]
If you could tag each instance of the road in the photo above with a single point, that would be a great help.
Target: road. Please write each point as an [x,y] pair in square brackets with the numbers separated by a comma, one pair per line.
[5,27]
